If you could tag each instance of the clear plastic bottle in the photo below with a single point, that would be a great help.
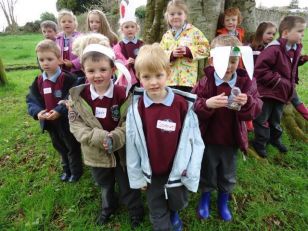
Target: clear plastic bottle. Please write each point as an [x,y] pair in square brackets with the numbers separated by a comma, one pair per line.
[108,142]
[235,91]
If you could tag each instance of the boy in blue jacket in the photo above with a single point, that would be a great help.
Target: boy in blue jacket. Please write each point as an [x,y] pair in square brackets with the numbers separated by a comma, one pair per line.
[163,143]
[43,100]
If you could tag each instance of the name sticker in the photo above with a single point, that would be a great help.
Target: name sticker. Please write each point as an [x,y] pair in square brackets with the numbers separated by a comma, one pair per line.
[47,90]
[166,125]
[100,112]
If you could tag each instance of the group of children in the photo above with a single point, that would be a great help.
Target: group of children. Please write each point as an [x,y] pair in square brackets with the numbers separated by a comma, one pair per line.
[155,128]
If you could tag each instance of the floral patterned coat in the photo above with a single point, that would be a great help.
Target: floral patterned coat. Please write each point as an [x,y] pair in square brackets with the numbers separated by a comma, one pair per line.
[184,70]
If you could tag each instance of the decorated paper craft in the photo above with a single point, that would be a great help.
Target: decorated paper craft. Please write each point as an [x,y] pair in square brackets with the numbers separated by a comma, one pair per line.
[221,56]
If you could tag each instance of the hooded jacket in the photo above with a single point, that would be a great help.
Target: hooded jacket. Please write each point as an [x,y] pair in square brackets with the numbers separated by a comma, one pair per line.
[187,161]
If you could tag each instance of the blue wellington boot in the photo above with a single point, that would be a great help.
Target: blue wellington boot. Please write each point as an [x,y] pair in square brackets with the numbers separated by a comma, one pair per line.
[222,203]
[203,210]
[176,221]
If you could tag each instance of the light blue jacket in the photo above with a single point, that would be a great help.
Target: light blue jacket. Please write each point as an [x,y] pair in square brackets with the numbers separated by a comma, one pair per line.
[187,161]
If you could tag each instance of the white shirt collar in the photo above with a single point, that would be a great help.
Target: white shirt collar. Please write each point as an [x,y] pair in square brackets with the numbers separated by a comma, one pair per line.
[167,101]
[108,93]
[134,40]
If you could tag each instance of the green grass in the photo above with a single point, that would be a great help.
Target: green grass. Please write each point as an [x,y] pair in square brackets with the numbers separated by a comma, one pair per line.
[270,194]
[18,50]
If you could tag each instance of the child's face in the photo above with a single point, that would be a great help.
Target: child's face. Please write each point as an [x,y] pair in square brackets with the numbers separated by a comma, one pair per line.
[154,83]
[94,22]
[269,35]
[230,22]
[67,24]
[49,33]
[48,61]
[296,34]
[232,66]
[129,29]
[176,17]
[98,72]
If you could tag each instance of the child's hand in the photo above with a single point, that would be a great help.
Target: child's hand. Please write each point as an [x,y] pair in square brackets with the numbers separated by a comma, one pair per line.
[179,52]
[217,101]
[144,188]
[42,115]
[241,99]
[67,63]
[53,115]
[107,143]
[131,60]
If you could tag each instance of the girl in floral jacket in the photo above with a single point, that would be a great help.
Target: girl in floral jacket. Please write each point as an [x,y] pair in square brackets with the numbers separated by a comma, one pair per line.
[185,45]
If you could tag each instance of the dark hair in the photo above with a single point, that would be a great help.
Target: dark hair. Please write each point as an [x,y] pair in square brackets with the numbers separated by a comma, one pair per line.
[49,24]
[258,37]
[95,56]
[289,22]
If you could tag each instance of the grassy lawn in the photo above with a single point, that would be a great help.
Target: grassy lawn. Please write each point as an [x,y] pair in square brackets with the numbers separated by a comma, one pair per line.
[19,50]
[270,194]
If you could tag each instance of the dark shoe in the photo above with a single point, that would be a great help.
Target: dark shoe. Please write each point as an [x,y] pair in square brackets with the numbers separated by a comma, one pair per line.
[203,210]
[222,204]
[135,221]
[65,176]
[260,151]
[102,219]
[74,178]
[280,146]
[176,221]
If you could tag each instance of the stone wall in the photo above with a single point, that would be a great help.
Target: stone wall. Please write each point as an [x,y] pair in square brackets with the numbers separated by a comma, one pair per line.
[275,16]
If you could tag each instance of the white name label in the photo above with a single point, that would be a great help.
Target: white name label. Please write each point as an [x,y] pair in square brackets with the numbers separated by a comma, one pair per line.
[100,112]
[166,125]
[47,90]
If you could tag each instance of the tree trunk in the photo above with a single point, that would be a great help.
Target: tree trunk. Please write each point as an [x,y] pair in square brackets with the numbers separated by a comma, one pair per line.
[154,25]
[3,79]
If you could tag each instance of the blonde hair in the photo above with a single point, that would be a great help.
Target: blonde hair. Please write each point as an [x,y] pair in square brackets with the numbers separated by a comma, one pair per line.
[225,40]
[152,58]
[105,28]
[90,38]
[65,12]
[176,4]
[48,45]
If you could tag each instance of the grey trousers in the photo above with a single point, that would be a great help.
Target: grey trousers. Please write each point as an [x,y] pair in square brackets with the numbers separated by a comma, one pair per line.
[159,206]
[218,169]
[267,124]
[68,147]
[106,178]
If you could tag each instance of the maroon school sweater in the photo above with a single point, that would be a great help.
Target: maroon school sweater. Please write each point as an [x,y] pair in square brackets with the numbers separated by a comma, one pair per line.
[110,106]
[50,91]
[162,144]
[224,119]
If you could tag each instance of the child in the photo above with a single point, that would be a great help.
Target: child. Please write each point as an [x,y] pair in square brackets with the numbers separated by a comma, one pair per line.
[231,19]
[276,75]
[49,29]
[184,45]
[264,35]
[223,129]
[127,49]
[67,21]
[96,120]
[47,90]
[164,146]
[97,22]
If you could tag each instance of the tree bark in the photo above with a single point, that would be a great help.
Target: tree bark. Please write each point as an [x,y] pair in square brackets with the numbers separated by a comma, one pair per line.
[3,79]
